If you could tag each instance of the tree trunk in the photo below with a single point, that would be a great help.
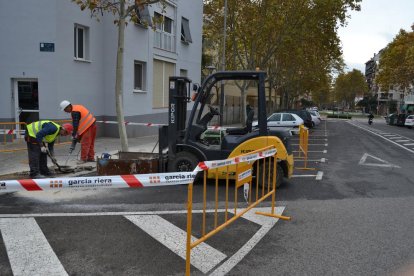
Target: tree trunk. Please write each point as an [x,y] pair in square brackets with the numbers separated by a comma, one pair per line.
[119,78]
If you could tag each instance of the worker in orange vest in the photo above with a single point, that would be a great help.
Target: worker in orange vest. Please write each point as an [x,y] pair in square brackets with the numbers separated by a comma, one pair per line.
[84,128]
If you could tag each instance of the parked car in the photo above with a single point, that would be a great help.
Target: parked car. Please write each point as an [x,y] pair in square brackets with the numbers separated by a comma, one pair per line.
[401,119]
[409,121]
[304,115]
[391,119]
[282,120]
[316,118]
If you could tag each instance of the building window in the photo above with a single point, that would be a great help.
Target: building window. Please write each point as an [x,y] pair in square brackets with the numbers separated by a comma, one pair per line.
[185,31]
[81,42]
[139,76]
[143,16]
[164,37]
[183,73]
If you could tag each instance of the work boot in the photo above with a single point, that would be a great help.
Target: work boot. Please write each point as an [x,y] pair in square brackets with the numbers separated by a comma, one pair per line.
[48,173]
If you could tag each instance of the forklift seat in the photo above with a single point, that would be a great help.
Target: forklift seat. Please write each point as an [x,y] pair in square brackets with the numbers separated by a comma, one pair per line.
[243,130]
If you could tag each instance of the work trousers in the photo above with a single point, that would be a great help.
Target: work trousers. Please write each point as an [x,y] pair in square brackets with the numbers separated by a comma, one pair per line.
[37,160]
[88,143]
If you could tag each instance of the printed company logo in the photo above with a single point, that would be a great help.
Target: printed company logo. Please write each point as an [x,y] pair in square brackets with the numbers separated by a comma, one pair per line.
[55,184]
[154,179]
[2,185]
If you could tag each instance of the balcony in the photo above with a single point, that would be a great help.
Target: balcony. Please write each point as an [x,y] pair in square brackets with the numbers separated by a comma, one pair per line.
[164,41]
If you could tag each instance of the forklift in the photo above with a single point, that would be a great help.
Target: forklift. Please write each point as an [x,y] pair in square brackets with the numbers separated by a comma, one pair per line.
[183,143]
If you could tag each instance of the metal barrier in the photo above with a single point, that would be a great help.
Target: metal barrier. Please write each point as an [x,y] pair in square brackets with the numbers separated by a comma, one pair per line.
[303,147]
[13,134]
[265,187]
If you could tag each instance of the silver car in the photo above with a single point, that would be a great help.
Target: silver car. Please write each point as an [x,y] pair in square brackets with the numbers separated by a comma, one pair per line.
[283,120]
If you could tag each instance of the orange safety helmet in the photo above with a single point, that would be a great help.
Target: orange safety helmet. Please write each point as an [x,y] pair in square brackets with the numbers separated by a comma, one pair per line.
[68,127]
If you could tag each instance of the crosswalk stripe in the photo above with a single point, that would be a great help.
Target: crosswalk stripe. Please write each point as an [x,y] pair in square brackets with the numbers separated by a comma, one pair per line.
[28,250]
[203,256]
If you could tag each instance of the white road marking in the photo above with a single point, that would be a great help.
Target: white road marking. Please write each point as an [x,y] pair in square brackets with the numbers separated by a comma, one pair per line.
[400,141]
[385,138]
[28,250]
[394,138]
[322,160]
[390,135]
[411,144]
[203,256]
[319,175]
[382,164]
[312,145]
[267,224]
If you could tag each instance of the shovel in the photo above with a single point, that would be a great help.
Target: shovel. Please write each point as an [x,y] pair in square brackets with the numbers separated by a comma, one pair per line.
[55,162]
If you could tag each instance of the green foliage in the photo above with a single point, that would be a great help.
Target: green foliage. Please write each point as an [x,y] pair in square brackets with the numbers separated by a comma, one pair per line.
[348,86]
[295,41]
[397,61]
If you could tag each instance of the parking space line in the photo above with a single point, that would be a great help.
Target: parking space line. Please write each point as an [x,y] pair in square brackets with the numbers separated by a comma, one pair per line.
[400,141]
[318,175]
[411,144]
[28,250]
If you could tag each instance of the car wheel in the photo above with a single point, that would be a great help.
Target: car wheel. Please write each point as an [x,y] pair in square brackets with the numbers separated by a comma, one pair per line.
[279,174]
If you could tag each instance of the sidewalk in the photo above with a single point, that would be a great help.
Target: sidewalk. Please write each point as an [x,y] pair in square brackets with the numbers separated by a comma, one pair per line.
[17,161]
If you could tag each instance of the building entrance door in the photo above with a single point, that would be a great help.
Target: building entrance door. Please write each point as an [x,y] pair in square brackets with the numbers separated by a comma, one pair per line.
[26,99]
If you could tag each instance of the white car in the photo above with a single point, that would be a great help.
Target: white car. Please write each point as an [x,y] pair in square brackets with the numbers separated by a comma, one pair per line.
[409,121]
[316,118]
[283,120]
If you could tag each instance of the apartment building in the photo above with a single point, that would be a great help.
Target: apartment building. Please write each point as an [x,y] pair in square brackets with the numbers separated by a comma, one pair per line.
[51,51]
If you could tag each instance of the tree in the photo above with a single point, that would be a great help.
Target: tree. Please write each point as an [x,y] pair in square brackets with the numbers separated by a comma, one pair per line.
[397,61]
[123,10]
[295,41]
[348,86]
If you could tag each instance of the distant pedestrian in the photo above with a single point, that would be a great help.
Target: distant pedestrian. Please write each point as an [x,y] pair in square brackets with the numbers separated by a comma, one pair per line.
[84,129]
[37,134]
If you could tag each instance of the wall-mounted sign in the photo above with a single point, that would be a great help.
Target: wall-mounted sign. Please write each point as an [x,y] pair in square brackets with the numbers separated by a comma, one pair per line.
[47,47]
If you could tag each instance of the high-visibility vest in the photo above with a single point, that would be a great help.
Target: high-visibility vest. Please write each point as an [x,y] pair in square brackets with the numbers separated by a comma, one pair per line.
[86,120]
[35,127]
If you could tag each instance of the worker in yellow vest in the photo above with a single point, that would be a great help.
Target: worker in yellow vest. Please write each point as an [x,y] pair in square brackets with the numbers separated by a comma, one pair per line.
[36,135]
[84,128]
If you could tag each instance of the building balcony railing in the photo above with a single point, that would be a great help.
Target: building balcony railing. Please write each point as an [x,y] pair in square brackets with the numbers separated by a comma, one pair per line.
[165,41]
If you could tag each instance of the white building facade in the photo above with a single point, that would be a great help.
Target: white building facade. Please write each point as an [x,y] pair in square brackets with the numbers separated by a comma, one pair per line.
[51,51]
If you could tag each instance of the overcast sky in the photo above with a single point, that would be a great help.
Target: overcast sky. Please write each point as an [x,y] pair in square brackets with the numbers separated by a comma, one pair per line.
[372,28]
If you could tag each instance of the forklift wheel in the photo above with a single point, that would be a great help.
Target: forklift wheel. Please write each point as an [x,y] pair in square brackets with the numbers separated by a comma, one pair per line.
[183,162]
[279,175]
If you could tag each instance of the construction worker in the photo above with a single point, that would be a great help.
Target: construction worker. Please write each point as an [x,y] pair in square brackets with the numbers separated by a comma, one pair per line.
[36,135]
[84,128]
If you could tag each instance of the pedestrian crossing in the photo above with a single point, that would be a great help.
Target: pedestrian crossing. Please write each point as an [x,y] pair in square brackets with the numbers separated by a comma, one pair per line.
[29,252]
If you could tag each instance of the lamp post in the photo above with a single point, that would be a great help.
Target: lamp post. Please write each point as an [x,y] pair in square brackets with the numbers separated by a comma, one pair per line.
[223,62]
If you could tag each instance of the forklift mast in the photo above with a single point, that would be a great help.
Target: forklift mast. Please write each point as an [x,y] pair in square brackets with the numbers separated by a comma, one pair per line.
[173,133]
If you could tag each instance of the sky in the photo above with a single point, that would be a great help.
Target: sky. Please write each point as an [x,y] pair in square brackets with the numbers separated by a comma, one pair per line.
[372,28]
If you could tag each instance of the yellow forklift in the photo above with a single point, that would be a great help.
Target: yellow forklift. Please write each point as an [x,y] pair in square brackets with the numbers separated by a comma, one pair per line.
[214,129]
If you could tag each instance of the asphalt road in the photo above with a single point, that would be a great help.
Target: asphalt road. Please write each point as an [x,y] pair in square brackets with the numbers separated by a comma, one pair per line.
[351,215]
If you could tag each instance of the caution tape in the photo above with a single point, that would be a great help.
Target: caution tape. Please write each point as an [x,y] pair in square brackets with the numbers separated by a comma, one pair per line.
[127,181]
[118,181]
[206,165]
[12,131]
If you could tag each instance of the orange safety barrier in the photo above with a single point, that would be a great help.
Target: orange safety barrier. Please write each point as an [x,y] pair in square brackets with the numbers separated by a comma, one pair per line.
[13,136]
[303,147]
[264,185]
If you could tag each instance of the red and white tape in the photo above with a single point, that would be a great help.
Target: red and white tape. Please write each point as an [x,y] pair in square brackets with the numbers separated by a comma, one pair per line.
[206,165]
[126,181]
[118,181]
[12,131]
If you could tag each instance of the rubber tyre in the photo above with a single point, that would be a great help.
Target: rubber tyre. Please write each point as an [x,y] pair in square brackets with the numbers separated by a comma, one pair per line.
[183,162]
[279,176]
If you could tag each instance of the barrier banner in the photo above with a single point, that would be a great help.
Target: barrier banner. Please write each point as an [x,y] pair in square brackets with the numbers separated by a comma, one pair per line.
[206,165]
[118,181]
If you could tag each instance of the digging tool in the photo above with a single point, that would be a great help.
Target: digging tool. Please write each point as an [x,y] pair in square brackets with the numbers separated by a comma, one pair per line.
[53,159]
[71,149]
